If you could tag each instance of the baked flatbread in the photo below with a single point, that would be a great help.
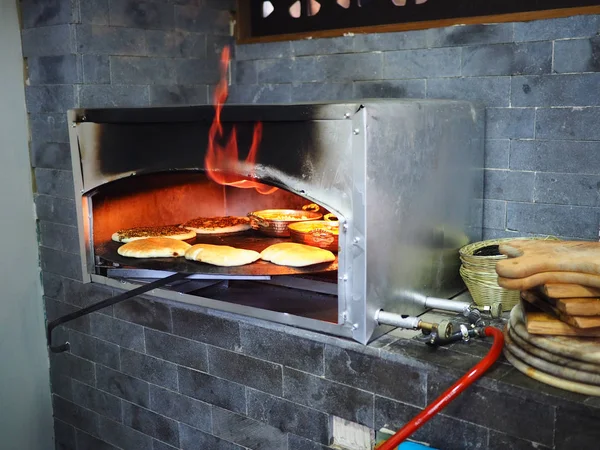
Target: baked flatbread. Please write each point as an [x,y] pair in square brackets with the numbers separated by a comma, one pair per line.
[169,231]
[218,225]
[296,255]
[158,247]
[221,255]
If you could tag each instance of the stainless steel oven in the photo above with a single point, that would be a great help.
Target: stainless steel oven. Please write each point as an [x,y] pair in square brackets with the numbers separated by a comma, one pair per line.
[404,178]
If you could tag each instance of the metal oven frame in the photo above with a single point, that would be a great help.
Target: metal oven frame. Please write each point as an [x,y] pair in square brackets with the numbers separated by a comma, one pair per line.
[388,169]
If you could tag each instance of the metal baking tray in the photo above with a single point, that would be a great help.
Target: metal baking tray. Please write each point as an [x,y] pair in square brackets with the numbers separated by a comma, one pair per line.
[250,240]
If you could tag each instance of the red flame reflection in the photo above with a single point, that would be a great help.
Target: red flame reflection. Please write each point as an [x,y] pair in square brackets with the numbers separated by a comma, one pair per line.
[222,162]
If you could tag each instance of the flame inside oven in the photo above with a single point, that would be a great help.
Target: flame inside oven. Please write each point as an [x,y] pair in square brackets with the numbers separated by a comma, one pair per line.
[222,163]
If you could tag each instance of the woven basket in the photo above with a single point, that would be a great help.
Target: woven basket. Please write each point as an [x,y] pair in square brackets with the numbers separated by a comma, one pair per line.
[479,274]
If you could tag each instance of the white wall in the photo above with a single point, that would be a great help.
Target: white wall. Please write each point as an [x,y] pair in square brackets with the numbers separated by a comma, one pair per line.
[25,405]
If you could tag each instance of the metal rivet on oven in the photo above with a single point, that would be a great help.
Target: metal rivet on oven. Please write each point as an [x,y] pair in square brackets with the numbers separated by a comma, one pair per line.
[356,240]
[347,115]
[344,277]
[345,227]
[73,124]
[356,131]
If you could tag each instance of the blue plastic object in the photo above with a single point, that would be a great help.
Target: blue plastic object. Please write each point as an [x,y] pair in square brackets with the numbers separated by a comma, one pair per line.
[413,446]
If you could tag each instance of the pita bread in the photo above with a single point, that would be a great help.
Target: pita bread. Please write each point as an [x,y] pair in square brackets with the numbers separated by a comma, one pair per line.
[158,247]
[296,255]
[221,255]
[218,225]
[169,231]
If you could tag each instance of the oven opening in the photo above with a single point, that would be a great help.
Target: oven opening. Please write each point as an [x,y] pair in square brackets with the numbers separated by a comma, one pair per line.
[174,198]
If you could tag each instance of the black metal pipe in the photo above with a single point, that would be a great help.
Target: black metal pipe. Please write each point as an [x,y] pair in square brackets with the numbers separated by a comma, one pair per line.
[104,304]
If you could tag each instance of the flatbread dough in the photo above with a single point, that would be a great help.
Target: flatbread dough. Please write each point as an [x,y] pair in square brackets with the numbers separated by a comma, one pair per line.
[218,225]
[159,247]
[169,231]
[296,255]
[221,255]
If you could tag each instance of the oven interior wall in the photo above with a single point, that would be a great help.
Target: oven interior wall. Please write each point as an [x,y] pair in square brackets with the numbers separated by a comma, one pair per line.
[173,198]
[304,148]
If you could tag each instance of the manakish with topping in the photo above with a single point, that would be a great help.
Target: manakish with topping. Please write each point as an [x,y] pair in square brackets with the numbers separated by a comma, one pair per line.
[218,225]
[168,231]
[221,255]
[158,247]
[296,255]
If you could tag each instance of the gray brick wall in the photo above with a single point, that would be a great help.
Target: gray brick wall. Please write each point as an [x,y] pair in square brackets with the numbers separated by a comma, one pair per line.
[154,375]
[138,377]
[538,80]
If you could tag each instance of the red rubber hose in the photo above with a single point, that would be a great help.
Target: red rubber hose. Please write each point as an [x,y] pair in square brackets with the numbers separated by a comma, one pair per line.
[443,400]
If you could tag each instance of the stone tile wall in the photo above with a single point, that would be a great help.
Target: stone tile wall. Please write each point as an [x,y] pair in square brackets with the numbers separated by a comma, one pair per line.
[156,374]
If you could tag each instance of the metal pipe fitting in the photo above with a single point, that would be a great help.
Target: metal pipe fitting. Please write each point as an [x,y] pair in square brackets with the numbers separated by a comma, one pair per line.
[427,327]
[433,302]
[465,334]
[446,304]
[494,310]
[396,320]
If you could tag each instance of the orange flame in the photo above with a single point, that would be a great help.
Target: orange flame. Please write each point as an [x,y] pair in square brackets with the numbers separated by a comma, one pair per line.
[222,162]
